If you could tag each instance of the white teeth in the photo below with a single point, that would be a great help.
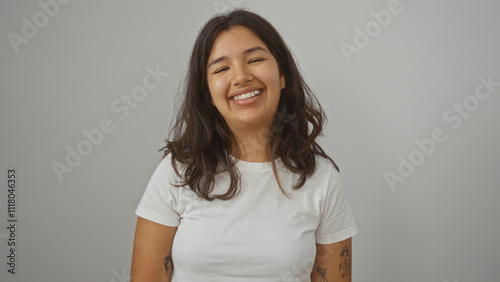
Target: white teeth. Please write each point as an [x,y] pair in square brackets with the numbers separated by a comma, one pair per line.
[247,95]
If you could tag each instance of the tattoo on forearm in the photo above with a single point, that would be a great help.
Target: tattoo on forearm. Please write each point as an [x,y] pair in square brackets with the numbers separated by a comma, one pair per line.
[169,265]
[345,262]
[322,273]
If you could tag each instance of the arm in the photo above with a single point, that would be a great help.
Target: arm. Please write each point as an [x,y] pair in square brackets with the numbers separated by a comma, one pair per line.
[152,257]
[333,262]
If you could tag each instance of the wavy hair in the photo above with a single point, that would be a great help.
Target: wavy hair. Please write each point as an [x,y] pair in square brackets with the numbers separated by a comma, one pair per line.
[201,139]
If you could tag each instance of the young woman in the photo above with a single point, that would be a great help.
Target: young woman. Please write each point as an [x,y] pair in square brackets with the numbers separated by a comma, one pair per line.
[244,192]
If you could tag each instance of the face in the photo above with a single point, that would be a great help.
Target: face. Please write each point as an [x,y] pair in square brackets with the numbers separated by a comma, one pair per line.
[244,79]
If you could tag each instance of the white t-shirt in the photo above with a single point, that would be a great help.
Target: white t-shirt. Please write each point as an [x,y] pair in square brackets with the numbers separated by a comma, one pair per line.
[260,234]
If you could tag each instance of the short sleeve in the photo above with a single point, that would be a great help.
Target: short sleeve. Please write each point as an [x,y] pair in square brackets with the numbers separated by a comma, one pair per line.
[160,201]
[337,221]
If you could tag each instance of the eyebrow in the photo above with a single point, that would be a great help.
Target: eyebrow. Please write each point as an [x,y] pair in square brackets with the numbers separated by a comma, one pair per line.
[248,51]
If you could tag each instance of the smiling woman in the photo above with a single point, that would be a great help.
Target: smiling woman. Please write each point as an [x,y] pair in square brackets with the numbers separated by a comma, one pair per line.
[244,192]
[245,85]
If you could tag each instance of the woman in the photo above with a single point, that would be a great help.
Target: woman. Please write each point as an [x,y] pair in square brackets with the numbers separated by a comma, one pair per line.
[244,192]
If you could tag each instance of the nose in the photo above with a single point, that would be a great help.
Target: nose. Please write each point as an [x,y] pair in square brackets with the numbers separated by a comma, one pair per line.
[241,75]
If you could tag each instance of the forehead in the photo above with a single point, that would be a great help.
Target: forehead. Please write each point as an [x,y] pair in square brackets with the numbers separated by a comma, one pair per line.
[235,40]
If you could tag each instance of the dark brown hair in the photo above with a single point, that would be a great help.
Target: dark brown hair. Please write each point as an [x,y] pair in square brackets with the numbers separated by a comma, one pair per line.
[201,139]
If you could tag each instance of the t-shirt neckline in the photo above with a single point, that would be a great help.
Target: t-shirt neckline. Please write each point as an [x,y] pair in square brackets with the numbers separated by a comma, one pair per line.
[255,165]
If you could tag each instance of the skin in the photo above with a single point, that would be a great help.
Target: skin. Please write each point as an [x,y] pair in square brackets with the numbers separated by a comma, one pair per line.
[333,262]
[239,61]
[152,248]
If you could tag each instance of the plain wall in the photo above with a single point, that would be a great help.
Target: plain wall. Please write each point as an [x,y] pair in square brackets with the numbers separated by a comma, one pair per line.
[411,81]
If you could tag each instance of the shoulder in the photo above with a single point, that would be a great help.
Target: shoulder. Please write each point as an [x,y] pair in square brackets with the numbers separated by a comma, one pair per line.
[325,168]
[172,164]
[165,166]
[324,178]
[167,170]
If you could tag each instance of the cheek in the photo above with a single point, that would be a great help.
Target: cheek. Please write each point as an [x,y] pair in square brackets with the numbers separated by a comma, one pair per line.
[272,77]
[218,89]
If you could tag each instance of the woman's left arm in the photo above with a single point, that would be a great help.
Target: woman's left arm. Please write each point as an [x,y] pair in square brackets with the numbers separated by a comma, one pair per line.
[333,262]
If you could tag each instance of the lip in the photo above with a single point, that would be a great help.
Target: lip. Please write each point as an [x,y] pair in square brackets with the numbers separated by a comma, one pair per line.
[243,91]
[246,102]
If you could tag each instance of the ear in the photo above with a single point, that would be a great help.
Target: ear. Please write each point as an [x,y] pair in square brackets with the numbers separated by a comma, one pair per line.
[282,81]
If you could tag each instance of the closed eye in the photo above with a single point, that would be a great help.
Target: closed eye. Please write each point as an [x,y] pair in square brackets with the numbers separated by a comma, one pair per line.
[221,69]
[256,60]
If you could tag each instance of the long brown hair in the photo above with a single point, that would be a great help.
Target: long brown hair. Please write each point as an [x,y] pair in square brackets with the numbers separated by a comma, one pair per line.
[201,139]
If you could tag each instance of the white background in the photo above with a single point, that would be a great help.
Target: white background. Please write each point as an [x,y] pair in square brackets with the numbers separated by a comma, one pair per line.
[440,224]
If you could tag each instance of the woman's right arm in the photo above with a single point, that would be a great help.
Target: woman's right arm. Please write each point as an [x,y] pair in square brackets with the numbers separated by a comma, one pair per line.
[152,253]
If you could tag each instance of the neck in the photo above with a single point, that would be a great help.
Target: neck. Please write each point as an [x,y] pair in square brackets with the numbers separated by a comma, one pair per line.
[253,145]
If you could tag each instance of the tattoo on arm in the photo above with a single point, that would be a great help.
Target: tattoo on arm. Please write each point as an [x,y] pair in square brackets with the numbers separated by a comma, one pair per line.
[169,265]
[322,273]
[345,262]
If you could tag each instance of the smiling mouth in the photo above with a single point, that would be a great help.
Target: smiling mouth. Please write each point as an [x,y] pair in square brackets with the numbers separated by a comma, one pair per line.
[247,95]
